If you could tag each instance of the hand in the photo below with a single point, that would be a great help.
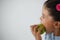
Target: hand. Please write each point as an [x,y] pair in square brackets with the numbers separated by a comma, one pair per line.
[35,32]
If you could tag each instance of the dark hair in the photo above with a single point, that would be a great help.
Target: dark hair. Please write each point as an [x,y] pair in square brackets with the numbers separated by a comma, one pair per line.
[51,6]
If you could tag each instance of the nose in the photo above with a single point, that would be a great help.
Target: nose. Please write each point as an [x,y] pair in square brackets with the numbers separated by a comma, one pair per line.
[41,18]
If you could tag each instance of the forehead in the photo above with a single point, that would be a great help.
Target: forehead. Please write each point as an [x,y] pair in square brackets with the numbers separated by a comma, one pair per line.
[45,11]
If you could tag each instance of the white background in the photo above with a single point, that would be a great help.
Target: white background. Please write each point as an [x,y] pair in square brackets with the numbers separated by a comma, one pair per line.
[16,18]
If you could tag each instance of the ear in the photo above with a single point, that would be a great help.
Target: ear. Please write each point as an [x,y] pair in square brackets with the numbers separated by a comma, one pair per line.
[56,24]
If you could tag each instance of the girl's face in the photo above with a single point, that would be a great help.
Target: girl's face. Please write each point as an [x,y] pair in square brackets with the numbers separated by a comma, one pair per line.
[47,20]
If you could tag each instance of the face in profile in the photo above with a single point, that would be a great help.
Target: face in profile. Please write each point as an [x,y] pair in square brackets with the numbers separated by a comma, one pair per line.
[46,19]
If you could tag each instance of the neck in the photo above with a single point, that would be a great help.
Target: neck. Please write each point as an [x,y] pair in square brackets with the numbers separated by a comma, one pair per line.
[49,30]
[57,32]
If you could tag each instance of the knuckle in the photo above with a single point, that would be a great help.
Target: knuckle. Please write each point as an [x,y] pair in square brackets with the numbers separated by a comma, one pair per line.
[31,26]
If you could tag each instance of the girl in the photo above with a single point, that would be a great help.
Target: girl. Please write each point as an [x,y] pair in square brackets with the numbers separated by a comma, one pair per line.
[51,20]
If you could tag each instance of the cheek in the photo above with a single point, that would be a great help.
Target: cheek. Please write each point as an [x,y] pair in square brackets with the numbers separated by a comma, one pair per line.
[47,22]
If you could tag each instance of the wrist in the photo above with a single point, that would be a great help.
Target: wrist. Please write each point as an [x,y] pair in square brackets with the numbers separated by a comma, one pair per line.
[38,38]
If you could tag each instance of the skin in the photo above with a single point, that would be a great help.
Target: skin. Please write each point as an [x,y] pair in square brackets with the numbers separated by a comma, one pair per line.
[49,24]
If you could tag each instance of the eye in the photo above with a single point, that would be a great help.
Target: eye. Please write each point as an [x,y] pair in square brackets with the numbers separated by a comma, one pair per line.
[43,16]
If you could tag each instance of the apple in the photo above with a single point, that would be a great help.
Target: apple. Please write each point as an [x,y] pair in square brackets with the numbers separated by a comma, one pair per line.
[41,28]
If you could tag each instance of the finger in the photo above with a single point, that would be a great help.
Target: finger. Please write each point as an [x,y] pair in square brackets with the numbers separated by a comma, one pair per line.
[39,31]
[32,27]
[35,29]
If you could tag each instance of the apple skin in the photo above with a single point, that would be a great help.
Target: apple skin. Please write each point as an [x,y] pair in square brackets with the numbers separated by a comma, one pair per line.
[41,28]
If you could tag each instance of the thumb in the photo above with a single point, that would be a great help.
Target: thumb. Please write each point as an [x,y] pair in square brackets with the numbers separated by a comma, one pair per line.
[38,32]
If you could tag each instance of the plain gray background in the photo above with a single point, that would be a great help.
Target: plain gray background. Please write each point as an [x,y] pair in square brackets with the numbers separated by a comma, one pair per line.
[16,16]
